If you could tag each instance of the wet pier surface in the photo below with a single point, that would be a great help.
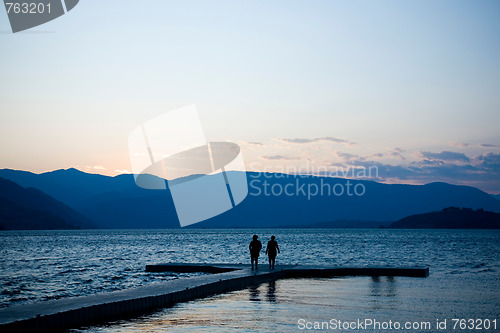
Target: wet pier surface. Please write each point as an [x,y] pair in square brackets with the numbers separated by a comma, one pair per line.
[56,315]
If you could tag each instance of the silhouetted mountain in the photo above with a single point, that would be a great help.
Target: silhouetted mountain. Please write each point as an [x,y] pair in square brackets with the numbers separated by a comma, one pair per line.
[451,218]
[22,208]
[379,203]
[70,186]
[116,202]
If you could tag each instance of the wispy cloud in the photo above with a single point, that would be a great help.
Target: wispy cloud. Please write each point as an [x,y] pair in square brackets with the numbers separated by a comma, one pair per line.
[460,144]
[327,139]
[487,145]
[445,156]
[479,166]
[347,156]
[482,171]
[95,167]
[396,153]
[251,143]
[469,145]
[280,157]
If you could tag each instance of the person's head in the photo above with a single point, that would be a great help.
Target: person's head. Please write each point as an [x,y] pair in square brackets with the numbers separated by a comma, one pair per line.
[255,237]
[272,237]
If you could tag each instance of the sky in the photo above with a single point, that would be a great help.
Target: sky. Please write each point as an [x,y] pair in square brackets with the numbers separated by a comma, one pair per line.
[409,87]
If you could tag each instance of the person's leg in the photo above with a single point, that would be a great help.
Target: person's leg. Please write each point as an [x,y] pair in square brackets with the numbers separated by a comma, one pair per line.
[252,260]
[256,262]
[270,261]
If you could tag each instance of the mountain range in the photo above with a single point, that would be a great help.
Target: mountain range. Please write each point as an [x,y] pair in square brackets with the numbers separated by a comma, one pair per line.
[22,208]
[116,202]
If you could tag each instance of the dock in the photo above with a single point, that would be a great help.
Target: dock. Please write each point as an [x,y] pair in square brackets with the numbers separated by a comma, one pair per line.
[74,312]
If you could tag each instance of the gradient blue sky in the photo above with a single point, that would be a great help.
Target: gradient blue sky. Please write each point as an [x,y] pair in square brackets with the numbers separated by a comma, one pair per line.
[412,87]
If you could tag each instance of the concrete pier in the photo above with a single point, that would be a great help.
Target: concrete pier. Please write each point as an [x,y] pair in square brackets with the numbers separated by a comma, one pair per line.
[56,315]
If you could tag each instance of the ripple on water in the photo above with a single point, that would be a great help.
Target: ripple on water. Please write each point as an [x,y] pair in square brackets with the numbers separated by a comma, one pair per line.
[40,264]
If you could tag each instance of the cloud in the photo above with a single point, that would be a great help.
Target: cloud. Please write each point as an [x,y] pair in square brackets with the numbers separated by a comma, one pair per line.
[95,167]
[337,140]
[251,143]
[396,165]
[347,156]
[396,153]
[328,138]
[481,171]
[122,171]
[421,172]
[460,144]
[489,161]
[445,156]
[427,162]
[468,145]
[299,140]
[279,157]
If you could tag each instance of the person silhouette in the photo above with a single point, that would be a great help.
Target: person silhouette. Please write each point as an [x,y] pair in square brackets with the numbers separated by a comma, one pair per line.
[271,248]
[255,247]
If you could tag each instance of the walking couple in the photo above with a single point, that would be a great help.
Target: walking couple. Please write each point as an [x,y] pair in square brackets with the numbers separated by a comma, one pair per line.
[272,250]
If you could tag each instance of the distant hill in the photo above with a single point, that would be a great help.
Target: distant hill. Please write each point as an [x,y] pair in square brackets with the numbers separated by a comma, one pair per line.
[22,208]
[116,202]
[496,196]
[451,218]
[110,202]
[70,186]
[380,203]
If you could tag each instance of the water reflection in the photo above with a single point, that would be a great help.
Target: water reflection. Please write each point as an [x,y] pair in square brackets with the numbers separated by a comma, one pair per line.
[276,306]
[383,291]
[391,286]
[271,292]
[254,293]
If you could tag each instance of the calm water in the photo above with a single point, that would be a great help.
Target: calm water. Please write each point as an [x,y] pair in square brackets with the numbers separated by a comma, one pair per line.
[464,280]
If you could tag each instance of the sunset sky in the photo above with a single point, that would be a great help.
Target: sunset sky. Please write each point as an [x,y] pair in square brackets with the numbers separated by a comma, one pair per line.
[412,87]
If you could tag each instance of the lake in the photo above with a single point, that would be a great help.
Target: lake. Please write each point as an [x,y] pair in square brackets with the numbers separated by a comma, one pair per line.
[464,281]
